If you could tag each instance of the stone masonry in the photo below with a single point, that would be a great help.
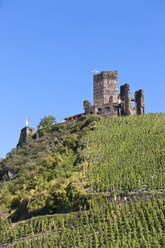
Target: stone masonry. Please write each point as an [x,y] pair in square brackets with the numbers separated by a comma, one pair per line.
[139,102]
[107,101]
[105,85]
[26,131]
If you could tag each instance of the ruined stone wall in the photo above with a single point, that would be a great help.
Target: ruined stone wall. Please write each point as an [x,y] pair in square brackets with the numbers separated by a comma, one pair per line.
[125,97]
[107,101]
[109,109]
[139,102]
[26,131]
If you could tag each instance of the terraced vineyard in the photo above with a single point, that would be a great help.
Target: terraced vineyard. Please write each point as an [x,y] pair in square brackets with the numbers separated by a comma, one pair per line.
[126,153]
[104,179]
[134,223]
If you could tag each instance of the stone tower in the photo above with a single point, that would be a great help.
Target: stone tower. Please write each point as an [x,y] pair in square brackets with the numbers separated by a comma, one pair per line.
[105,86]
[26,131]
[139,102]
[125,97]
[108,102]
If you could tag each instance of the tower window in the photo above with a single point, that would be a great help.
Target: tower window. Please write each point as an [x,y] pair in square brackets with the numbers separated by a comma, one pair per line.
[99,110]
[107,109]
[116,108]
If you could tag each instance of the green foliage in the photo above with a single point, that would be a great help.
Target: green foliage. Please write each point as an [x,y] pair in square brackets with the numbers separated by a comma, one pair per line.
[42,169]
[47,121]
[86,105]
[71,141]
[46,124]
[92,118]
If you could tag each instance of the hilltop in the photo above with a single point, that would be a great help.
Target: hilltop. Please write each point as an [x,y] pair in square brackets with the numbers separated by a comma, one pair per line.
[76,166]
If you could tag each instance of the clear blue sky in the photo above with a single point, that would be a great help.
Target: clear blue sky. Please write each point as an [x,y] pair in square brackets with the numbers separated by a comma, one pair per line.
[49,47]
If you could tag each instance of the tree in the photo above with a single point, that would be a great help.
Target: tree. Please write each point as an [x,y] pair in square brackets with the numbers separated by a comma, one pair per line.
[87,106]
[47,121]
[46,124]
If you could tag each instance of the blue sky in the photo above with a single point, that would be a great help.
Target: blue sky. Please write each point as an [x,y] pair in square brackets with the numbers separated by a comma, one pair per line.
[49,47]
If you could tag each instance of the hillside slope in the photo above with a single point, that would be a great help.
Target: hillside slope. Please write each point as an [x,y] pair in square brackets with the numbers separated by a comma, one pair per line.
[130,224]
[104,179]
[42,175]
[126,154]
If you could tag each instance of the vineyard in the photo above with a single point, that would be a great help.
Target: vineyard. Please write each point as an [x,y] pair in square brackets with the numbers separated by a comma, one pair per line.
[126,154]
[96,183]
[134,223]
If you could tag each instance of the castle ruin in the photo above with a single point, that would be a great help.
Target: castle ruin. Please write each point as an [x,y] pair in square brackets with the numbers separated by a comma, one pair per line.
[26,131]
[108,102]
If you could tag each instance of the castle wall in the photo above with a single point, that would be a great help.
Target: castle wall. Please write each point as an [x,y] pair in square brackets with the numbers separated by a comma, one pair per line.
[139,102]
[125,97]
[107,101]
[26,131]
